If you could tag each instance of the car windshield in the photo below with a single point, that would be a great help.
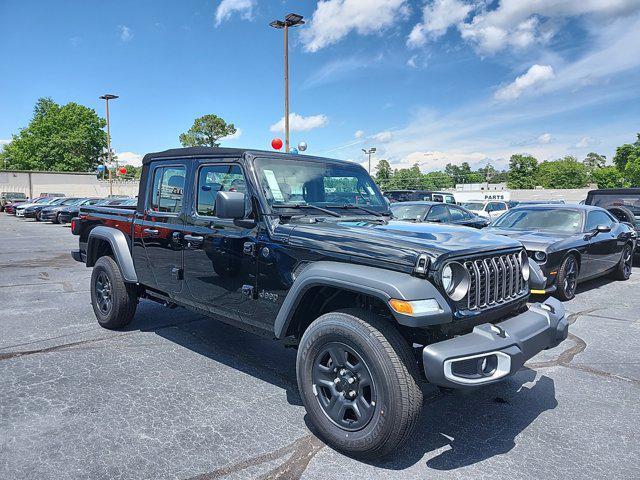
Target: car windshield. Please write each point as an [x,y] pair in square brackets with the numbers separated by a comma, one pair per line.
[411,213]
[14,195]
[322,184]
[473,205]
[57,201]
[545,219]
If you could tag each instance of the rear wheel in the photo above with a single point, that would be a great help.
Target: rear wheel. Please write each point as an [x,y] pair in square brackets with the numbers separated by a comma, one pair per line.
[623,269]
[114,301]
[359,382]
[567,280]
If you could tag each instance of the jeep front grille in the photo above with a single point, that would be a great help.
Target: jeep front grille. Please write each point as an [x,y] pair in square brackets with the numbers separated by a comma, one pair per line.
[493,280]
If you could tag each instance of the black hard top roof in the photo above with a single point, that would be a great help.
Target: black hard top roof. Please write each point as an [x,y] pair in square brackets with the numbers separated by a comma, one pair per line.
[203,152]
[614,191]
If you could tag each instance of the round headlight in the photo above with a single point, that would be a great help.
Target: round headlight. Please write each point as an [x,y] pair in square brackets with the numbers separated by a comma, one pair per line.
[447,278]
[540,256]
[455,280]
[524,262]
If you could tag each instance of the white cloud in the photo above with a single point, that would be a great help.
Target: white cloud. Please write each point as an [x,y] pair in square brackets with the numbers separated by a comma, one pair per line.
[520,24]
[437,17]
[412,61]
[234,136]
[545,138]
[536,75]
[227,8]
[335,19]
[358,134]
[383,137]
[300,123]
[126,34]
[129,158]
[431,160]
[586,142]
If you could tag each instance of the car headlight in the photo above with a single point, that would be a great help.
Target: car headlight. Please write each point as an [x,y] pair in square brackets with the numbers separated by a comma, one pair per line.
[540,256]
[455,280]
[524,262]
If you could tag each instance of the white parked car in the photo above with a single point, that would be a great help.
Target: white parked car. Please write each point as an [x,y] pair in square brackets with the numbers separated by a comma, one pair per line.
[489,209]
[40,201]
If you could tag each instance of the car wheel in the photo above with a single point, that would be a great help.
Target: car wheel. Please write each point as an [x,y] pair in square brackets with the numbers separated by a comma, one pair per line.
[567,279]
[56,219]
[358,380]
[623,269]
[114,301]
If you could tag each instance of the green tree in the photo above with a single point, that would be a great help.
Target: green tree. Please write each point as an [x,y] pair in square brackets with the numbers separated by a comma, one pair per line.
[625,152]
[62,138]
[207,131]
[437,180]
[523,171]
[462,173]
[594,160]
[383,174]
[564,173]
[608,177]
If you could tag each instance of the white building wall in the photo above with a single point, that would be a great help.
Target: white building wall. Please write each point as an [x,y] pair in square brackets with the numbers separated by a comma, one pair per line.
[33,184]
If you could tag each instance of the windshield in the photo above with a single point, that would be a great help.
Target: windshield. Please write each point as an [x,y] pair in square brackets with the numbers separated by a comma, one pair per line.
[547,219]
[322,184]
[414,213]
[473,205]
[14,195]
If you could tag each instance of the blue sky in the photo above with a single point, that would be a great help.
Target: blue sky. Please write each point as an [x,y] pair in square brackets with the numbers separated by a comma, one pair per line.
[430,82]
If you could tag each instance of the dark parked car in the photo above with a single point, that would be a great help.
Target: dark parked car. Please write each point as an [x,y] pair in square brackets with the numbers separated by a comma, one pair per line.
[622,203]
[369,302]
[436,212]
[569,243]
[40,201]
[50,213]
[33,211]
[419,195]
[11,198]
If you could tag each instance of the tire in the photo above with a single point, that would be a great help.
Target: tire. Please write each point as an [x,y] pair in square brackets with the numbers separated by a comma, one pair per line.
[116,305]
[623,269]
[386,379]
[567,279]
[56,219]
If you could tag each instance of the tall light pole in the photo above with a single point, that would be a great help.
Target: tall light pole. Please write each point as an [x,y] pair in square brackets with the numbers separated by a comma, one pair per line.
[369,152]
[106,97]
[291,20]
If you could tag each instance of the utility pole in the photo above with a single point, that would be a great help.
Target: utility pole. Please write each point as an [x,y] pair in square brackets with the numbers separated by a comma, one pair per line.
[291,20]
[106,98]
[369,152]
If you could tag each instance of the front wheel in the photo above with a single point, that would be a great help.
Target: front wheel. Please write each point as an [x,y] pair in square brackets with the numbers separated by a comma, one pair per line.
[623,268]
[114,301]
[359,382]
[567,280]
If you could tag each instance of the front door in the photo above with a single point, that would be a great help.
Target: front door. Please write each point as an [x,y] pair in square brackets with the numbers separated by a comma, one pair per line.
[159,228]
[219,254]
[603,251]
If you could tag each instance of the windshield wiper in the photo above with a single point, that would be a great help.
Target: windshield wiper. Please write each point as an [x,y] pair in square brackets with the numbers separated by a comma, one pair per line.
[299,206]
[350,206]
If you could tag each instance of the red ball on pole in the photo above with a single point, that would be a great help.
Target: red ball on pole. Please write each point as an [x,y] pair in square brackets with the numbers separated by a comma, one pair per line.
[276,143]
[122,170]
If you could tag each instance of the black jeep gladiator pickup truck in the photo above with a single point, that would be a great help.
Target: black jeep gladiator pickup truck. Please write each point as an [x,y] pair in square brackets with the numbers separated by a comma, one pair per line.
[304,249]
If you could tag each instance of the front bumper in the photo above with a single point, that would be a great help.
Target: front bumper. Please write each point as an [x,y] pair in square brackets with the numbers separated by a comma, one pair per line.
[492,352]
[538,281]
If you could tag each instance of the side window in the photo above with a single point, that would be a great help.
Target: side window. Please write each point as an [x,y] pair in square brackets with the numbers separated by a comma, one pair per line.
[438,198]
[449,199]
[495,207]
[458,214]
[598,218]
[218,178]
[438,213]
[168,189]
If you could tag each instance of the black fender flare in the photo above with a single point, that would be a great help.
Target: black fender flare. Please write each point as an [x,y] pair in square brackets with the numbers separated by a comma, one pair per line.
[376,282]
[119,246]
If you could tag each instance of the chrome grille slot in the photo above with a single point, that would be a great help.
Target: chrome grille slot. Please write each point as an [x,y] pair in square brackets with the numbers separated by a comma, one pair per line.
[494,280]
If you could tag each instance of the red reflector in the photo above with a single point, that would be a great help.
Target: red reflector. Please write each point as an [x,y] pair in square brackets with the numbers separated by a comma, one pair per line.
[73,226]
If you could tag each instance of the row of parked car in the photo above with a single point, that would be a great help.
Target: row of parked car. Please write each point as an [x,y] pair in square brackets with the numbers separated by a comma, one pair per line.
[54,207]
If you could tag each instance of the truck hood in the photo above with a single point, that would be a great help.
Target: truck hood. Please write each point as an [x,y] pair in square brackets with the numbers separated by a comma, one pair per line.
[532,239]
[395,241]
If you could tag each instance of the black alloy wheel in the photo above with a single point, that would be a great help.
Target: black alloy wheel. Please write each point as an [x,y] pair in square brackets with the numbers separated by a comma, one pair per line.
[103,293]
[346,390]
[624,267]
[567,280]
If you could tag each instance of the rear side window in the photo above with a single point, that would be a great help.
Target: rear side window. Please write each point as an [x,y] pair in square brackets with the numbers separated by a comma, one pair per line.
[168,189]
[218,178]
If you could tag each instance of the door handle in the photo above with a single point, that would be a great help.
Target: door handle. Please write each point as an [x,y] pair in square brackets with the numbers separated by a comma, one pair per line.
[196,239]
[150,231]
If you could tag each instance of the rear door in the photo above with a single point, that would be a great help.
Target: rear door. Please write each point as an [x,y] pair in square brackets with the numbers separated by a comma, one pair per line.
[159,227]
[219,253]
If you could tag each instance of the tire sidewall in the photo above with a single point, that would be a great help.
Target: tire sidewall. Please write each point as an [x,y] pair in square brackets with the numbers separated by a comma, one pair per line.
[339,327]
[107,266]
[561,278]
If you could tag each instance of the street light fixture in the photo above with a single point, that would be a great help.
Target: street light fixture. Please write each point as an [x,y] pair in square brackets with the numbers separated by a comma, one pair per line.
[291,20]
[369,152]
[106,97]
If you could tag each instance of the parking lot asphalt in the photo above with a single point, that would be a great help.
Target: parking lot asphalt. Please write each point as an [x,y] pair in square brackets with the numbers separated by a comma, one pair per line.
[179,395]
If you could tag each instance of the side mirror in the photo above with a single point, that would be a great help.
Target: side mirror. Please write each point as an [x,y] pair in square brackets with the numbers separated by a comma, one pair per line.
[230,205]
[603,228]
